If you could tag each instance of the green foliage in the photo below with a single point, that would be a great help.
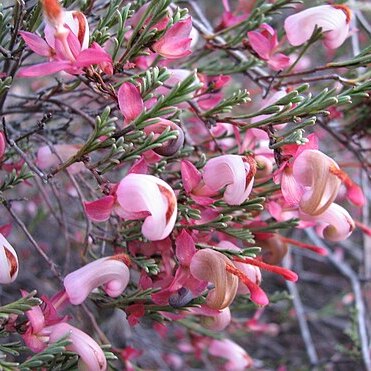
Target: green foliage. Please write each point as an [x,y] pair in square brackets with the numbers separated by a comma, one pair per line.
[227,104]
[46,358]
[5,85]
[20,306]
[15,177]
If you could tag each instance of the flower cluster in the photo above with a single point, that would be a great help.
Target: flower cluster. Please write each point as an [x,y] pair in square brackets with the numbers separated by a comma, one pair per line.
[169,191]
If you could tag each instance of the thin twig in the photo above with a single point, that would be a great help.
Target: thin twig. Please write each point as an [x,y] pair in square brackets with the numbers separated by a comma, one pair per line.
[300,313]
[347,271]
[52,265]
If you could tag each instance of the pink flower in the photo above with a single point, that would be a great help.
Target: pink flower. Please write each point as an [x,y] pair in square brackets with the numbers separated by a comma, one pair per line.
[333,19]
[238,359]
[310,183]
[145,196]
[250,271]
[8,261]
[91,355]
[111,272]
[211,266]
[39,317]
[66,45]
[264,42]
[234,172]
[175,43]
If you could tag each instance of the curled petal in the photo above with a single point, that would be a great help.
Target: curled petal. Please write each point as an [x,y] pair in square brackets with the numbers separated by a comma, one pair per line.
[185,248]
[191,177]
[217,322]
[279,61]
[238,359]
[35,316]
[93,55]
[100,210]
[130,101]
[335,224]
[91,354]
[292,191]
[44,69]
[234,172]
[112,273]
[8,261]
[333,20]
[172,146]
[312,170]
[210,265]
[36,43]
[176,42]
[145,195]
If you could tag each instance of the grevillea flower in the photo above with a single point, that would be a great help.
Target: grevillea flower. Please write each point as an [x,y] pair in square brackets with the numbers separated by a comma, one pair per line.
[250,271]
[66,45]
[46,159]
[333,19]
[234,172]
[175,43]
[211,266]
[8,261]
[91,355]
[145,196]
[238,359]
[39,317]
[264,42]
[310,183]
[139,196]
[111,272]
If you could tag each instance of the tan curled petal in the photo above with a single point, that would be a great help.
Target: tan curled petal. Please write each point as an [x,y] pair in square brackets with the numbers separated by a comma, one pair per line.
[312,170]
[210,265]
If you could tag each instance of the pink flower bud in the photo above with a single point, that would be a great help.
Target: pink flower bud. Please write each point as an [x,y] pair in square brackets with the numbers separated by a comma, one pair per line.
[172,146]
[8,261]
[111,272]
